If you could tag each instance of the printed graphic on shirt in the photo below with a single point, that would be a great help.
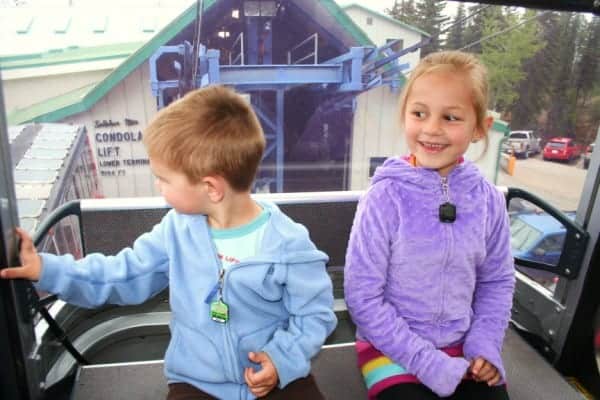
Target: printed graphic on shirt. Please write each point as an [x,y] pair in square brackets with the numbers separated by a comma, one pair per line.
[236,244]
[229,260]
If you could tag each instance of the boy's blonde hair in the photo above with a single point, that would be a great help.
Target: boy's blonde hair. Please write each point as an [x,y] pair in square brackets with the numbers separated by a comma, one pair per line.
[212,130]
[459,62]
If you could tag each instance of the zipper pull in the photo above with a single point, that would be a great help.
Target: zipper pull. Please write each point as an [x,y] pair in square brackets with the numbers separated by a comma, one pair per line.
[218,288]
[221,277]
[447,210]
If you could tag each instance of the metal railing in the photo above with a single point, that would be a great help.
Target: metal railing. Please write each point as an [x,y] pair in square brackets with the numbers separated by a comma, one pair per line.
[314,54]
[240,57]
[70,208]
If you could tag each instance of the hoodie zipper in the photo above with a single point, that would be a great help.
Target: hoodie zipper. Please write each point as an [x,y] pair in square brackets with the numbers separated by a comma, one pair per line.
[227,327]
[223,274]
[445,187]
[221,286]
[220,291]
[445,190]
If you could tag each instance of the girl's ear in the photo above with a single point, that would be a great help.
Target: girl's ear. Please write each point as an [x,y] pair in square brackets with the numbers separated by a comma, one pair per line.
[215,187]
[487,123]
[480,133]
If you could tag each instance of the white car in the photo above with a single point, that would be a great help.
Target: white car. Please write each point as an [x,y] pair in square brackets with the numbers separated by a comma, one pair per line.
[523,143]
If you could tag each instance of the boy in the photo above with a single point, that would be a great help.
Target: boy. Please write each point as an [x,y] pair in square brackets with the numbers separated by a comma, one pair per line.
[250,298]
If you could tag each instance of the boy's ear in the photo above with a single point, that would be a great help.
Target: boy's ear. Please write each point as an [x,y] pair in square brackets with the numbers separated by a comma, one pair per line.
[215,187]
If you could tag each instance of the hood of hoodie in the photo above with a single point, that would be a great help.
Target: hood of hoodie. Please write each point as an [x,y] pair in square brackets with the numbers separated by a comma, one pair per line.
[463,178]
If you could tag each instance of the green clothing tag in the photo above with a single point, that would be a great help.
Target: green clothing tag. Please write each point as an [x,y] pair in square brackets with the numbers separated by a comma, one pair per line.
[219,311]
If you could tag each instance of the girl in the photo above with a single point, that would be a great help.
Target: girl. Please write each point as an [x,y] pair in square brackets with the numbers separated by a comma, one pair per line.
[429,273]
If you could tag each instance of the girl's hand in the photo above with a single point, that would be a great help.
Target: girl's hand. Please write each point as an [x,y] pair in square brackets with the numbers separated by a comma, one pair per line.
[263,381]
[31,263]
[483,371]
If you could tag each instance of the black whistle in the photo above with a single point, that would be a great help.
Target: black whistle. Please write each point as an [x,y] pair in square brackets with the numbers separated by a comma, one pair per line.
[447,212]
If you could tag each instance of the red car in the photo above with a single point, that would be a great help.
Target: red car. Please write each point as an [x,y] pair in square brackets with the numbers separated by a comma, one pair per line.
[562,148]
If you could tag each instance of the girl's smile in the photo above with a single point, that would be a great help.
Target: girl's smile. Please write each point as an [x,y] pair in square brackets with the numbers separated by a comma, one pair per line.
[432,147]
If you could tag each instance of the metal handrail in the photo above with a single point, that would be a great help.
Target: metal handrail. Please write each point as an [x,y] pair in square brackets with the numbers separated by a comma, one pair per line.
[240,56]
[68,209]
[72,207]
[315,52]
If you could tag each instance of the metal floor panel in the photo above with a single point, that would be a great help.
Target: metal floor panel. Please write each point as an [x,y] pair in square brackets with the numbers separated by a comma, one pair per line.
[530,377]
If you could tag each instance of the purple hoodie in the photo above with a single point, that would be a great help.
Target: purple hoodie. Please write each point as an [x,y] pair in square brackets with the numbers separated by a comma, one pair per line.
[414,284]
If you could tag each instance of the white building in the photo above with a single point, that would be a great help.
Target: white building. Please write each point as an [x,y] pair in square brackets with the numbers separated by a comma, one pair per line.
[382,29]
[47,50]
[111,95]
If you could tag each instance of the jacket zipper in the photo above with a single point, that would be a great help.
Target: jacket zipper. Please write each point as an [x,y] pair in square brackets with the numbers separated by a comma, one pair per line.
[231,358]
[445,190]
[227,327]
[445,199]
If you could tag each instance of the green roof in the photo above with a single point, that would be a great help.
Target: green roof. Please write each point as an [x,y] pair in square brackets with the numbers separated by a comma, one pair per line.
[346,22]
[69,55]
[387,17]
[47,111]
[80,100]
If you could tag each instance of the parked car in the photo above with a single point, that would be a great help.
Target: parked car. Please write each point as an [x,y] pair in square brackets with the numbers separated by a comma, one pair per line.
[538,237]
[587,155]
[523,143]
[562,149]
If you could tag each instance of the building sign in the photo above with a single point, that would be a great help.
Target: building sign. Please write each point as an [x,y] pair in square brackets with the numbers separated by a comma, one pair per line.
[111,139]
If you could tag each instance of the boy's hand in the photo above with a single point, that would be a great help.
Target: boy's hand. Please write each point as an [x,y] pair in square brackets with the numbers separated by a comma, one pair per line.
[483,371]
[31,263]
[263,381]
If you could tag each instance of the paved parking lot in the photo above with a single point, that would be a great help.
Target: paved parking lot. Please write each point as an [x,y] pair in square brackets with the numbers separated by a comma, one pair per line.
[558,183]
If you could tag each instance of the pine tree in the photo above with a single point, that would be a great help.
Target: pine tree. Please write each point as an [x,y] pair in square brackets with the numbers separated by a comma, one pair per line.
[561,115]
[588,65]
[505,53]
[404,11]
[474,28]
[430,19]
[533,91]
[456,35]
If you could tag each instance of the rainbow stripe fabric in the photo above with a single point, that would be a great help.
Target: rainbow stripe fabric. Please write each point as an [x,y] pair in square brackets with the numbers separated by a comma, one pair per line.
[380,372]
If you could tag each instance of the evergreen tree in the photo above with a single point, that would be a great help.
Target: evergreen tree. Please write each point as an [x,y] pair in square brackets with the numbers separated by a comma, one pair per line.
[533,91]
[590,130]
[456,34]
[561,115]
[588,65]
[404,11]
[430,19]
[474,27]
[504,54]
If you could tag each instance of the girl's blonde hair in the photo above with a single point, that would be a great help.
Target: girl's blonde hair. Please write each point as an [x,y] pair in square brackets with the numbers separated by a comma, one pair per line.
[456,62]
[209,131]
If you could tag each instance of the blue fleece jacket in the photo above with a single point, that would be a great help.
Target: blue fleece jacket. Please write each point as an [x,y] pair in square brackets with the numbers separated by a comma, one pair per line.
[280,301]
